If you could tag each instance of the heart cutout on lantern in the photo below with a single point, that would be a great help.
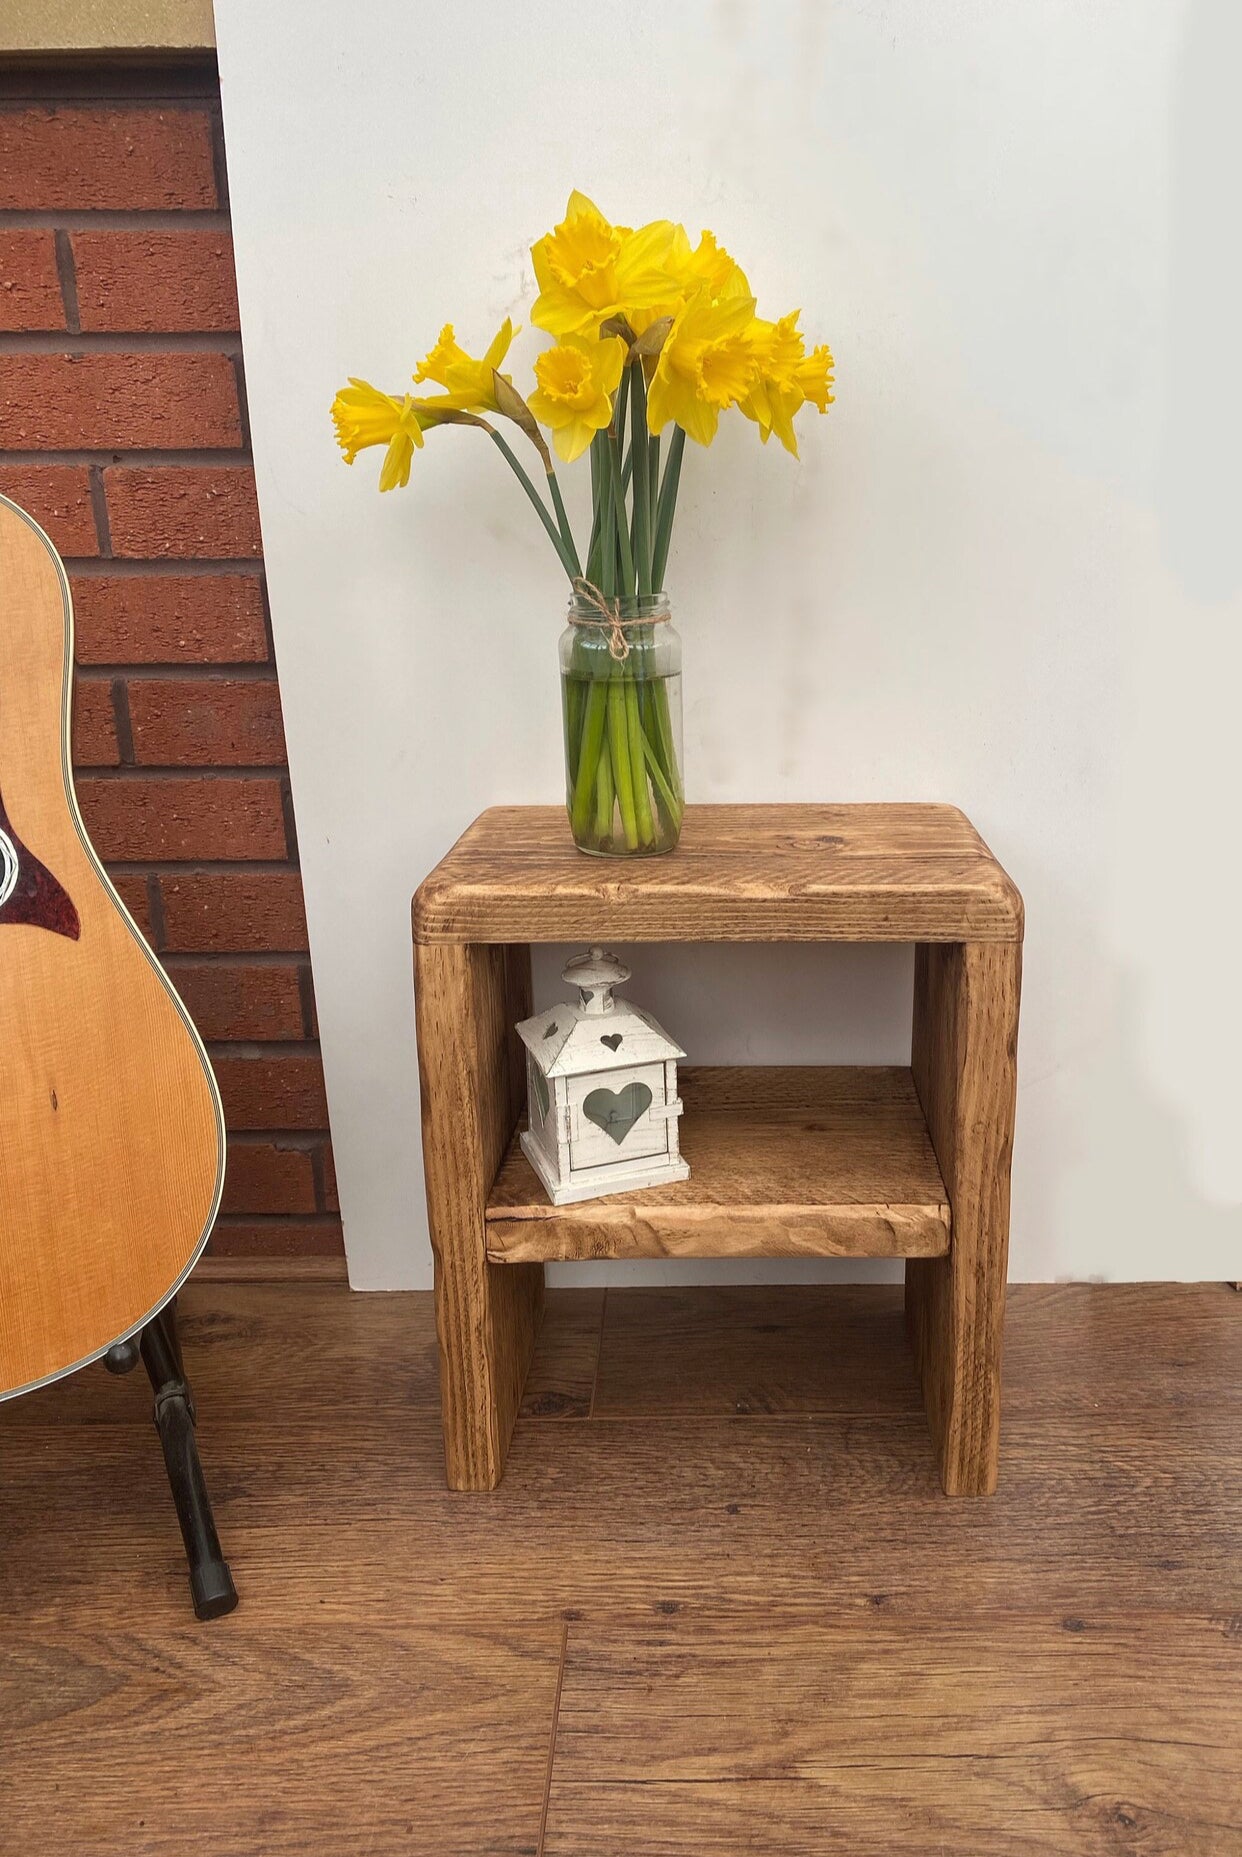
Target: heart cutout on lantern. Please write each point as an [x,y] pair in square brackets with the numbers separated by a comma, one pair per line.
[611,1039]
[616,1111]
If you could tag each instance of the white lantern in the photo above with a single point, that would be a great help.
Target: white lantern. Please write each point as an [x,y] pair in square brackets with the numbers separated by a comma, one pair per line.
[601,1080]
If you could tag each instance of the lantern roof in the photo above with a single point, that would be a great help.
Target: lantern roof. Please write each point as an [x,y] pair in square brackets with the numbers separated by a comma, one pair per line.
[597,1032]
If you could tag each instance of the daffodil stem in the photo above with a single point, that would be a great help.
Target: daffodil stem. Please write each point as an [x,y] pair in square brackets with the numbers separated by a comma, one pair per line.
[638,767]
[667,507]
[594,724]
[642,493]
[562,519]
[607,581]
[621,403]
[592,572]
[665,792]
[620,470]
[537,501]
[619,746]
[621,519]
[605,797]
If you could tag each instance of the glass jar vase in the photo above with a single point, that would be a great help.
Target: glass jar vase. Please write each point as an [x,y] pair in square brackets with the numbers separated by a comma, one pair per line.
[621,701]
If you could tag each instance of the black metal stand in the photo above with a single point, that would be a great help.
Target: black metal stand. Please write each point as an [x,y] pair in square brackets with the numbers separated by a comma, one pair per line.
[211,1584]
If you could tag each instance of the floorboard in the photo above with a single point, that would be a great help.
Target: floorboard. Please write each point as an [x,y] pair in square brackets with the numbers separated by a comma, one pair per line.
[1017,1732]
[252,1738]
[720,1544]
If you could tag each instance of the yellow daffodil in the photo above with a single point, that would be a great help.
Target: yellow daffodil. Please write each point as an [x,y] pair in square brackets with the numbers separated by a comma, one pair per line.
[705,268]
[690,269]
[589,270]
[706,364]
[787,377]
[577,380]
[363,416]
[470,384]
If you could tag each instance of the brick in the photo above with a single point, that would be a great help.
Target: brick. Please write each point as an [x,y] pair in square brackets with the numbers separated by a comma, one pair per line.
[132,891]
[206,722]
[209,511]
[112,402]
[29,280]
[184,819]
[267,1177]
[169,618]
[277,1238]
[272,1092]
[112,158]
[155,282]
[239,1000]
[234,912]
[58,496]
[94,724]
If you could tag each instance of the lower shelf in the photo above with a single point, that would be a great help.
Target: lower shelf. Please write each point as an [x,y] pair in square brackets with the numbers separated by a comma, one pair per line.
[784,1162]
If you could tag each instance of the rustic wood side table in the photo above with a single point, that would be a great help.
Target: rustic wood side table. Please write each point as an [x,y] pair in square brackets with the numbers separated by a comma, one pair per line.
[876,1161]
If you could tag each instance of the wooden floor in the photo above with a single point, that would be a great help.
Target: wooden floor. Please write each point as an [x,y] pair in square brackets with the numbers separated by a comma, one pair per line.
[717,1607]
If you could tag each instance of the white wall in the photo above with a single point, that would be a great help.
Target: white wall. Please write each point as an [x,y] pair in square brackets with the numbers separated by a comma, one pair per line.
[1006,573]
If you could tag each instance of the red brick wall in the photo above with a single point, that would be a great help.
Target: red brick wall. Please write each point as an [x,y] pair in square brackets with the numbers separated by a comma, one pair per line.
[123,431]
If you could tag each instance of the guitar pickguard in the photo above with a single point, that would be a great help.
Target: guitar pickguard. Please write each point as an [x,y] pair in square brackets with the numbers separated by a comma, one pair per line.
[28,891]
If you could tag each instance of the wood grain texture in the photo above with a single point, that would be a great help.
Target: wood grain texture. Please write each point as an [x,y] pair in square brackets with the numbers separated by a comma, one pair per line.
[1072,1350]
[784,1162]
[472,1086]
[740,1587]
[964,1058]
[326,1462]
[352,1739]
[615,1517]
[780,1179]
[763,1348]
[111,1135]
[561,1381]
[1091,1733]
[740,873]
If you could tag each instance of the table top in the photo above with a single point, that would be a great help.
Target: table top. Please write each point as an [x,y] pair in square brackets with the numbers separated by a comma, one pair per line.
[875,872]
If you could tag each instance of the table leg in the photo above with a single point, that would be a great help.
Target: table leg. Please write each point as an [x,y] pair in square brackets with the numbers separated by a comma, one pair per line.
[964,1059]
[468,999]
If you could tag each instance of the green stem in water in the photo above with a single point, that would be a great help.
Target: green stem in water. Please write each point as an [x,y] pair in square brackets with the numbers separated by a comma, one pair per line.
[663,734]
[638,765]
[667,507]
[619,748]
[594,723]
[605,797]
[669,802]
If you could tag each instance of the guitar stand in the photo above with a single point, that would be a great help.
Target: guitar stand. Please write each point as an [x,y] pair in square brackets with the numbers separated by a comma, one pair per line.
[211,1583]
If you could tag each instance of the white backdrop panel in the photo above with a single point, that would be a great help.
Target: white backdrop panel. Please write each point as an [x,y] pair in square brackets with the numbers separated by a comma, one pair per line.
[1006,573]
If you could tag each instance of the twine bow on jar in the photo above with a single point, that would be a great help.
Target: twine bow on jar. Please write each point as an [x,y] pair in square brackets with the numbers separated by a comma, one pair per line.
[610,619]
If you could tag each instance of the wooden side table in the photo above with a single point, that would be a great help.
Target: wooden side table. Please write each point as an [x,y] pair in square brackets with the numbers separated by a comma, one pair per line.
[835,1161]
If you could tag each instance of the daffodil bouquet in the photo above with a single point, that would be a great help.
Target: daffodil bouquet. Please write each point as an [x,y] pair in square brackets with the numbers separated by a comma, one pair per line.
[649,332]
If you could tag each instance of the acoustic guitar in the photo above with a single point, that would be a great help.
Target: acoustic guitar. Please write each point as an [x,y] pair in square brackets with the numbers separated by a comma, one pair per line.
[111,1130]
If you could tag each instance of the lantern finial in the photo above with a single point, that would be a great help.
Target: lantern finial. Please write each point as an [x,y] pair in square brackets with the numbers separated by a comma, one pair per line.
[595,975]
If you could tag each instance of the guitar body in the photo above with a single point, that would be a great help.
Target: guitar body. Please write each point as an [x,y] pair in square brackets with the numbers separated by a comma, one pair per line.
[111,1130]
